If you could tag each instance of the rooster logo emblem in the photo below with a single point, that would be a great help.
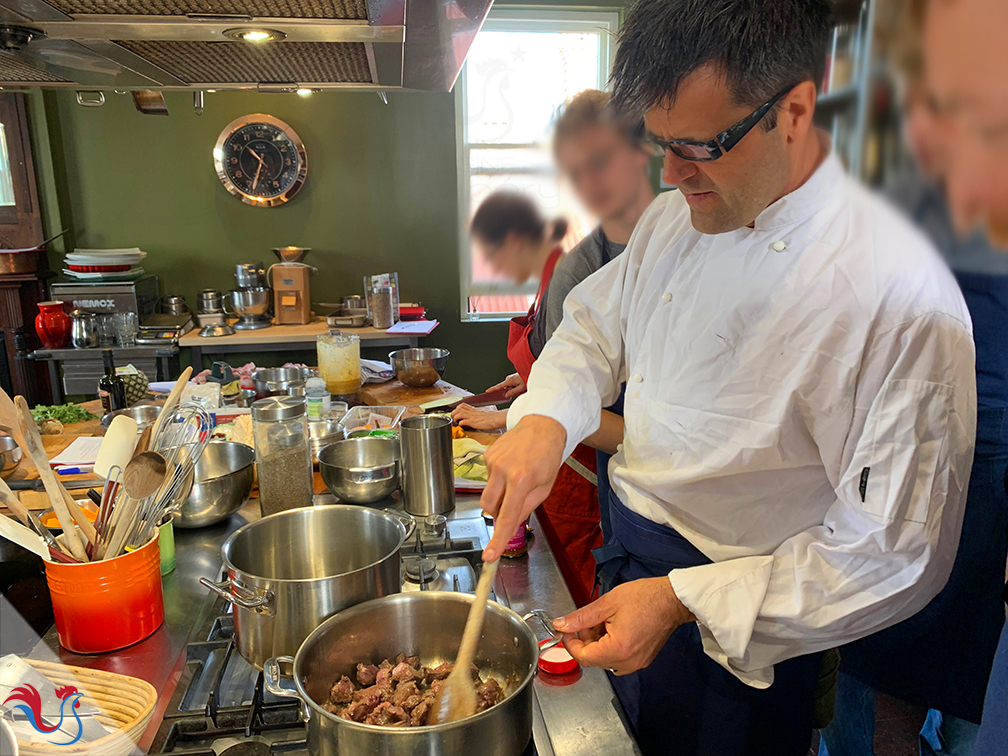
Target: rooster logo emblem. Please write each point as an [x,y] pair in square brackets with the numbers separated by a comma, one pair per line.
[29,703]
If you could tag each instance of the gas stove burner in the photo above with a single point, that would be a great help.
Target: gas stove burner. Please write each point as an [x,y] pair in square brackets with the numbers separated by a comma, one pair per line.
[249,748]
[421,570]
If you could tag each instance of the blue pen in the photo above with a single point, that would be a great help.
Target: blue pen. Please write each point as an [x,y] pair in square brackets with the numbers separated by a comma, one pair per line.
[72,470]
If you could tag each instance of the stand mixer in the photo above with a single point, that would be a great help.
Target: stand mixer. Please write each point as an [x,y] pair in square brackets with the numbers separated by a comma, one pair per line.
[251,300]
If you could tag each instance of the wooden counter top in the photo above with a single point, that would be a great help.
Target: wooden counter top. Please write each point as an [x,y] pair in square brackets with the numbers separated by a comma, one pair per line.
[282,334]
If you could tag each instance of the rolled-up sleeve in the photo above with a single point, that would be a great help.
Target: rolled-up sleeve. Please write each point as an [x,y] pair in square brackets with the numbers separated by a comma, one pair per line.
[887,545]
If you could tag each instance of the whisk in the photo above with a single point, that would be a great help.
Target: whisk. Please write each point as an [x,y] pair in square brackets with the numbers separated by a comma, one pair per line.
[181,440]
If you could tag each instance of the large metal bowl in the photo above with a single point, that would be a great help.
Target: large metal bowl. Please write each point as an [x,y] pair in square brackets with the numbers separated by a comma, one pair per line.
[10,453]
[221,485]
[278,381]
[361,470]
[144,414]
[419,367]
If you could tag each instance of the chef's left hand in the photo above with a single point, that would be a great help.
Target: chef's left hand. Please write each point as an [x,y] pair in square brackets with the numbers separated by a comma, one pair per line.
[626,628]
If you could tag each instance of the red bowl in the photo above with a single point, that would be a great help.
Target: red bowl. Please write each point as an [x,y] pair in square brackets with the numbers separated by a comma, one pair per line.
[557,660]
[99,268]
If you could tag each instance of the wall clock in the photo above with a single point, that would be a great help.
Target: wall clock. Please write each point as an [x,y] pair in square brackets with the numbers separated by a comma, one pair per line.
[260,160]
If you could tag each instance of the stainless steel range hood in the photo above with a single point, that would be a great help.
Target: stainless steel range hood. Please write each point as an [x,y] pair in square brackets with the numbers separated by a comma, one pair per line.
[203,44]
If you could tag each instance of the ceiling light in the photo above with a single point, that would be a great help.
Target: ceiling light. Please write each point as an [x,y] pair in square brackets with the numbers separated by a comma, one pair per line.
[254,35]
[304,91]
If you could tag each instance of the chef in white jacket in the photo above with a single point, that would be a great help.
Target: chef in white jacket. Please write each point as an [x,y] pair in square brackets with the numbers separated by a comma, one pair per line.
[800,403]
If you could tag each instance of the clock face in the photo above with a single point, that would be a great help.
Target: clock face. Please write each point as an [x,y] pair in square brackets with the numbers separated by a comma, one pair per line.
[260,160]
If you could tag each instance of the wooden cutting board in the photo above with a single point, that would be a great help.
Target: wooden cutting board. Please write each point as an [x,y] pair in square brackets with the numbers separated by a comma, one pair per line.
[394,392]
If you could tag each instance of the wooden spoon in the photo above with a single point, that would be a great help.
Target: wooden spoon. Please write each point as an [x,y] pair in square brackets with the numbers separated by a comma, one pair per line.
[457,699]
[144,474]
[33,442]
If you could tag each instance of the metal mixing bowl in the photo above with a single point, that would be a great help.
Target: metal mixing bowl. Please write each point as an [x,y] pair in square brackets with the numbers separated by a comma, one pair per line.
[322,433]
[419,367]
[144,414]
[10,453]
[361,470]
[253,301]
[221,485]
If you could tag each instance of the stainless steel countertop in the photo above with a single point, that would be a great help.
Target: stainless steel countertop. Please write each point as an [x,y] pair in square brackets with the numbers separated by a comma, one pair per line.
[578,715]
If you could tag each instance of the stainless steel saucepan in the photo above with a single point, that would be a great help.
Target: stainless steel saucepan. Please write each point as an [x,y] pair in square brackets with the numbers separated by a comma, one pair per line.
[291,570]
[428,624]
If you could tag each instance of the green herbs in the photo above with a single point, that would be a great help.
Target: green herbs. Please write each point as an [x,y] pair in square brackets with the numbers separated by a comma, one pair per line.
[65,413]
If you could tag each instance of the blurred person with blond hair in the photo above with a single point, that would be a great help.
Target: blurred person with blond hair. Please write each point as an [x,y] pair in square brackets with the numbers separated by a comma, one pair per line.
[605,159]
[966,51]
[935,659]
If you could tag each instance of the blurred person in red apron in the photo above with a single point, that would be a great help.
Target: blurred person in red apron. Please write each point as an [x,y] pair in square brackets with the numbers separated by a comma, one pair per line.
[606,161]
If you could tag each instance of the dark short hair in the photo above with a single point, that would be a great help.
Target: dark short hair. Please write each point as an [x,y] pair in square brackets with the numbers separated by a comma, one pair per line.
[760,46]
[506,211]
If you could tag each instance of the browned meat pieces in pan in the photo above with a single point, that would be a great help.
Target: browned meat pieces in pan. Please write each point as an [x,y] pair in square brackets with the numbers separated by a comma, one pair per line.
[399,693]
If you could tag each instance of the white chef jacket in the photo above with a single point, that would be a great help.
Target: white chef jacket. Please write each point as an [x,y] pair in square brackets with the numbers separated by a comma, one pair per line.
[772,374]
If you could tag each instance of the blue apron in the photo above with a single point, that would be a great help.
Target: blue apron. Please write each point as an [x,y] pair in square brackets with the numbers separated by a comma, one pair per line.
[685,703]
[941,657]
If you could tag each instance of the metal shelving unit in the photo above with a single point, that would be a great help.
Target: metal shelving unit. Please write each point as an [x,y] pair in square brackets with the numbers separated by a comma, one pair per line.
[842,108]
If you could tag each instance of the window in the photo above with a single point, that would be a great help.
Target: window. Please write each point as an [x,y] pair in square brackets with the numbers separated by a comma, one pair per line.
[521,69]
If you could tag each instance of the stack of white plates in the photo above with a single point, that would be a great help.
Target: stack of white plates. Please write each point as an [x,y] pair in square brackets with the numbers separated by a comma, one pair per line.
[104,264]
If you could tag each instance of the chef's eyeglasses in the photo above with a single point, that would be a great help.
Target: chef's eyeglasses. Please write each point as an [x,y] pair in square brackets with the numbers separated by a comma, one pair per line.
[705,152]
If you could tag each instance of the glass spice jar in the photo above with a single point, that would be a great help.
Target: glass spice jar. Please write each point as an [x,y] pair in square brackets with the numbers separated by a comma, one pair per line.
[518,545]
[283,453]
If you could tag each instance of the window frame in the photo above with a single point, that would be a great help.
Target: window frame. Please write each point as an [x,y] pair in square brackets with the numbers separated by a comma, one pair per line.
[511,18]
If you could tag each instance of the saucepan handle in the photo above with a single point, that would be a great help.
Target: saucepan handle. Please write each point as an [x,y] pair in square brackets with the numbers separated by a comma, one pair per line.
[272,677]
[261,603]
[408,523]
[547,623]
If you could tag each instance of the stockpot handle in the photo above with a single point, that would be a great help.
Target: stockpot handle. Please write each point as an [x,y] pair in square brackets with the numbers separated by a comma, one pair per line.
[271,681]
[547,623]
[408,522]
[261,603]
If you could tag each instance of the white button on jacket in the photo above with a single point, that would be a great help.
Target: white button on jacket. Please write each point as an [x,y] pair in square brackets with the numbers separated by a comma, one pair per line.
[808,418]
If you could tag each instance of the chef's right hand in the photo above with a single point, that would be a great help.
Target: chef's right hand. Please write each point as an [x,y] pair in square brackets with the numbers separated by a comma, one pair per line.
[522,466]
[513,383]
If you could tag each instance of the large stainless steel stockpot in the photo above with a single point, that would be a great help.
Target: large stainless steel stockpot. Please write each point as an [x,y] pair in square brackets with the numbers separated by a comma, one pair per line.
[429,624]
[291,570]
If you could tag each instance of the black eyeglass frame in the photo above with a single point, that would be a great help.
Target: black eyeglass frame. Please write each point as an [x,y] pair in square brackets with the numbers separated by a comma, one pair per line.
[724,141]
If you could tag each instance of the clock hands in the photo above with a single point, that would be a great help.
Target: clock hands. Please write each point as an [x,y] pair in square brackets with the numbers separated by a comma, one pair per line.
[255,181]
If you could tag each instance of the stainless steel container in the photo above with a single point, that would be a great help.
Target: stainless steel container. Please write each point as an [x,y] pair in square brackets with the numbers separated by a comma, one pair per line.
[174,305]
[83,329]
[145,414]
[276,381]
[211,300]
[419,367]
[10,453]
[290,571]
[429,624]
[428,472]
[361,470]
[221,484]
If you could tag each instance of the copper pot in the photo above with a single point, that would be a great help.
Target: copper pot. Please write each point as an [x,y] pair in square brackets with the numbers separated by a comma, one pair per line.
[12,263]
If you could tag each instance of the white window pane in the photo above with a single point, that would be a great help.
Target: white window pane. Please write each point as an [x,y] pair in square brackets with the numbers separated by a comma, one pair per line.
[514,160]
[6,180]
[516,81]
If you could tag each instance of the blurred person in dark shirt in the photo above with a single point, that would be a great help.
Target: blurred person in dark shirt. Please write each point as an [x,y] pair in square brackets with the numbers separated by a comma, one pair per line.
[966,53]
[935,659]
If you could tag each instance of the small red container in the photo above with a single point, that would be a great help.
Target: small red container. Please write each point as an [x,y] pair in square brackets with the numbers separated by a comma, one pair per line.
[557,660]
[108,605]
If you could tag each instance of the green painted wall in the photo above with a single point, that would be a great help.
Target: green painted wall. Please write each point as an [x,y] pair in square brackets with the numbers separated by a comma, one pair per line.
[381,195]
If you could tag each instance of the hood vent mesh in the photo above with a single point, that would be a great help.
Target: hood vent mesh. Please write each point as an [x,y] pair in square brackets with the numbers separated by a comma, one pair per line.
[341,9]
[13,71]
[244,63]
